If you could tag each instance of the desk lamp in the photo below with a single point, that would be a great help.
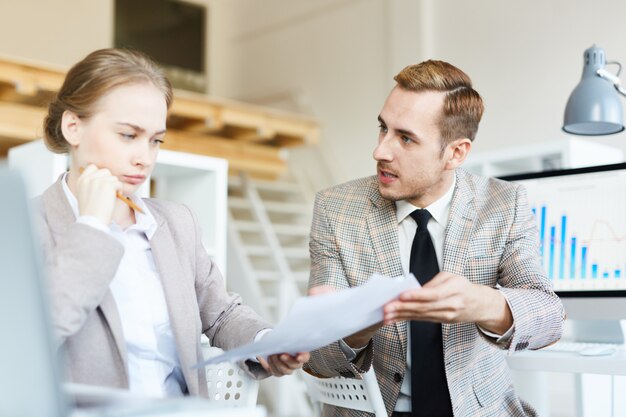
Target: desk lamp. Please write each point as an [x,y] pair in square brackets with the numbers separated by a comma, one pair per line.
[594,107]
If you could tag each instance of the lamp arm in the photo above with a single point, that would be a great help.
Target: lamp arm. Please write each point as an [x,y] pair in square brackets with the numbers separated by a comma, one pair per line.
[613,79]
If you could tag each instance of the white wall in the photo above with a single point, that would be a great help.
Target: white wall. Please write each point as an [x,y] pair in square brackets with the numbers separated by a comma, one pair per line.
[58,32]
[525,58]
[335,59]
[326,58]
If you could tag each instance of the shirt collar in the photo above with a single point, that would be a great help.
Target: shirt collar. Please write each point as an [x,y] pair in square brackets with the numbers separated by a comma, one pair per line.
[144,222]
[439,210]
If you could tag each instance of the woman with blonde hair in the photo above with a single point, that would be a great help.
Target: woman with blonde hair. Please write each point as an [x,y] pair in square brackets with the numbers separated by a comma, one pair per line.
[131,285]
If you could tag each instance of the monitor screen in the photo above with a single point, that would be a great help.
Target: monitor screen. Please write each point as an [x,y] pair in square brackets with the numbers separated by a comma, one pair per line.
[581,218]
[171,31]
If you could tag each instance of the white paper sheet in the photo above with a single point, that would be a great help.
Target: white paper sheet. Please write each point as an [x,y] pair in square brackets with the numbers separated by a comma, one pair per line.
[314,322]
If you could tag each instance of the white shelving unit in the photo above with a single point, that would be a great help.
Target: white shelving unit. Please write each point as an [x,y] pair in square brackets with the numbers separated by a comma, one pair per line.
[545,156]
[201,182]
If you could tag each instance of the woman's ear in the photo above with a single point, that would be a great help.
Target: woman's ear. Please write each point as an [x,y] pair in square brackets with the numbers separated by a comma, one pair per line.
[71,126]
[460,149]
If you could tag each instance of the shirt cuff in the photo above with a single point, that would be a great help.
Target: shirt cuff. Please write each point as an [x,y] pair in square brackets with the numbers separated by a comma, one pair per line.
[351,353]
[259,335]
[93,222]
[498,338]
[503,338]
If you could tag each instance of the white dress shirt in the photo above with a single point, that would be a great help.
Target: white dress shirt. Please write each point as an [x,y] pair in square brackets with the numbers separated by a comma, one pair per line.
[439,211]
[153,364]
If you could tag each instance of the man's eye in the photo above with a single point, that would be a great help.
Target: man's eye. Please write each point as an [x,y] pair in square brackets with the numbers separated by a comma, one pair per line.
[382,128]
[406,139]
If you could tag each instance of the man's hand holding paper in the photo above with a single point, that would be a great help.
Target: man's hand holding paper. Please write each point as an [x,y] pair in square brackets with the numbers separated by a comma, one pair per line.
[317,321]
[452,298]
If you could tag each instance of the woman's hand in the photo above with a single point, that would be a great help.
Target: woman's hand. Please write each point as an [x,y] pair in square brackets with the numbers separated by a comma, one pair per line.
[283,363]
[96,193]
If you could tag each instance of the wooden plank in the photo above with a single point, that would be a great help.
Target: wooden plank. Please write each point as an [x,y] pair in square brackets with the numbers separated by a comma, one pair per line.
[8,93]
[205,113]
[21,121]
[258,160]
[7,143]
[257,134]
[220,144]
[249,136]
[29,79]
[267,122]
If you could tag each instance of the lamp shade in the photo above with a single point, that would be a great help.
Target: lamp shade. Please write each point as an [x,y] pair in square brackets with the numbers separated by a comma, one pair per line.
[594,107]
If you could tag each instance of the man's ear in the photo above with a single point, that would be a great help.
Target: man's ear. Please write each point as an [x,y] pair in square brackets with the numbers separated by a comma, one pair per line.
[460,148]
[70,126]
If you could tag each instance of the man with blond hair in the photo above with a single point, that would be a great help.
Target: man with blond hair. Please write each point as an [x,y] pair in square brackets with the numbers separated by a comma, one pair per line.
[470,241]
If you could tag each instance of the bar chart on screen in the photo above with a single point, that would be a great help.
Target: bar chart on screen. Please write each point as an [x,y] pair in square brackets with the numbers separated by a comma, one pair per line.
[582,230]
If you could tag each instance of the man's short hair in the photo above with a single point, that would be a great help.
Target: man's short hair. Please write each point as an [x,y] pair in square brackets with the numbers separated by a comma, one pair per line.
[462,107]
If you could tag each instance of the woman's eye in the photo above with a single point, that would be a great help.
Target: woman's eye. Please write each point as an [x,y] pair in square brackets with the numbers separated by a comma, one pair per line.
[157,141]
[129,136]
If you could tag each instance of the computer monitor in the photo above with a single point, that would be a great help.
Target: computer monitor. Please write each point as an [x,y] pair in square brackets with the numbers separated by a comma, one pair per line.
[581,218]
[29,375]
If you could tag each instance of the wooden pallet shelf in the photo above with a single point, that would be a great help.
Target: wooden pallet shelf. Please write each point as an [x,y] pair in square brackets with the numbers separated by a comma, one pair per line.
[251,138]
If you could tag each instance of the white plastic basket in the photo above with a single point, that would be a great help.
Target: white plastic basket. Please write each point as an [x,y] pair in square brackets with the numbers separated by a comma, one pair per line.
[228,384]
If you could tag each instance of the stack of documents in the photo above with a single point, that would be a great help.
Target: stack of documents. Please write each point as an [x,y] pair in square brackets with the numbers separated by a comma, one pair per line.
[316,321]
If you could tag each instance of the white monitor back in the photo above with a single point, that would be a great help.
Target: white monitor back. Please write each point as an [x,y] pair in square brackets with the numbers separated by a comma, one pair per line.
[29,384]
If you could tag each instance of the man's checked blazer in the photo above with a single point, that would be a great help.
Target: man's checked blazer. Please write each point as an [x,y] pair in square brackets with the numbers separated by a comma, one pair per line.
[491,239]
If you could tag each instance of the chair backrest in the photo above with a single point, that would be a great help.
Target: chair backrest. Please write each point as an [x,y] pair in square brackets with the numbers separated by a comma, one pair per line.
[228,384]
[358,394]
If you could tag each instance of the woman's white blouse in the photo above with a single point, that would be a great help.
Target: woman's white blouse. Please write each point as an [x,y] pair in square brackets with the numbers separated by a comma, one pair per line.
[153,364]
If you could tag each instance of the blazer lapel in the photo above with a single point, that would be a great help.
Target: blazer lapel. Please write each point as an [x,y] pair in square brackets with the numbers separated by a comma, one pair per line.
[383,228]
[58,210]
[183,327]
[459,230]
[460,227]
[60,216]
[109,310]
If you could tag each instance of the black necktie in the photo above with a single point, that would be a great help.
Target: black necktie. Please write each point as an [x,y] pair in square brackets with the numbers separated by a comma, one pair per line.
[429,387]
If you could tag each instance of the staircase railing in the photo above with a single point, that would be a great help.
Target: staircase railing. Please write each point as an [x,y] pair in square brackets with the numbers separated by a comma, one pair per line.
[286,396]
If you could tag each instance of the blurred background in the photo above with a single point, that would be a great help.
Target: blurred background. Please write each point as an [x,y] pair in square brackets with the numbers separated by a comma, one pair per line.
[295,88]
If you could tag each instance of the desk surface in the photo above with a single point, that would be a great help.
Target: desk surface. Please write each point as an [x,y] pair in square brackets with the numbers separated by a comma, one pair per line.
[551,361]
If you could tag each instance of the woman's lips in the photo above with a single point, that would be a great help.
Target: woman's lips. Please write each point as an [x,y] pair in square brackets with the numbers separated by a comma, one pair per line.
[134,179]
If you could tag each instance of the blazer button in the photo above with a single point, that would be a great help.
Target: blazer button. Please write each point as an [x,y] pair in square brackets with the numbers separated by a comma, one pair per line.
[397,377]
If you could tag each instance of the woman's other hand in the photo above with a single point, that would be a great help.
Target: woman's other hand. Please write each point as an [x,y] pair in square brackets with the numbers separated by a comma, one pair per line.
[283,364]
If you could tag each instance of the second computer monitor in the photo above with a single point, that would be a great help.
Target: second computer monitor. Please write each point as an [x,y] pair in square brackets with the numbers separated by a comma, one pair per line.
[581,218]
